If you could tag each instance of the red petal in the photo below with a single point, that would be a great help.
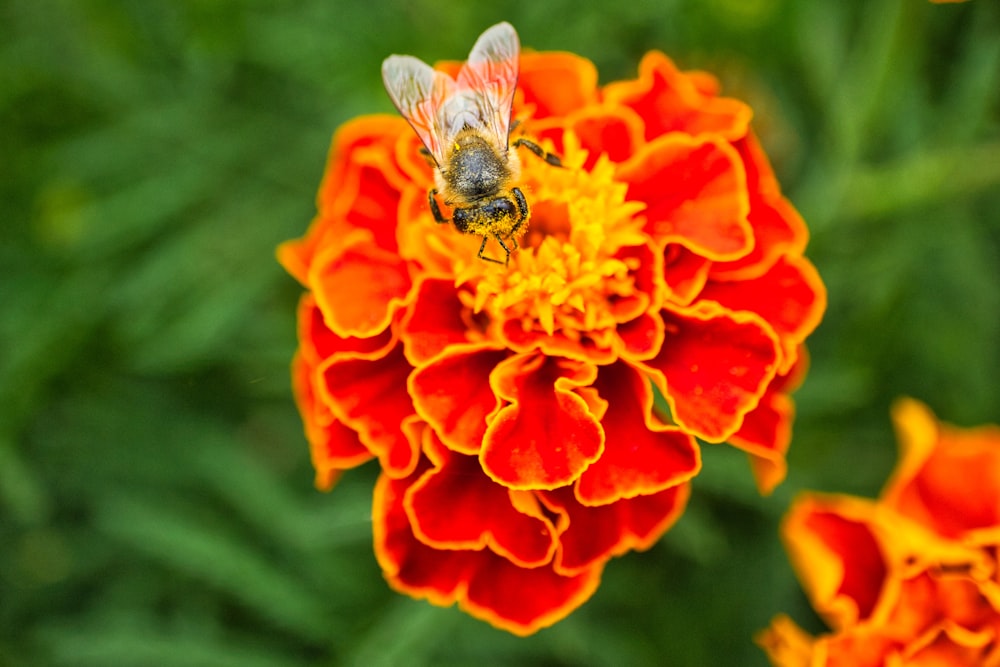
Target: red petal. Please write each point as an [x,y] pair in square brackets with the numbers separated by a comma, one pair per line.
[765,435]
[684,273]
[642,338]
[368,393]
[669,101]
[592,535]
[641,456]
[547,435]
[713,368]
[455,506]
[433,322]
[453,394]
[790,297]
[358,286]
[487,586]
[778,228]
[333,447]
[704,204]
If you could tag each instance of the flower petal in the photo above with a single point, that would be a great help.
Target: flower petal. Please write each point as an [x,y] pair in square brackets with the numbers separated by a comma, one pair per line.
[615,131]
[713,368]
[484,584]
[832,542]
[333,447]
[669,101]
[547,435]
[359,190]
[455,506]
[947,478]
[592,535]
[453,394]
[684,273]
[790,297]
[706,206]
[367,391]
[556,84]
[434,322]
[641,456]
[765,435]
[358,285]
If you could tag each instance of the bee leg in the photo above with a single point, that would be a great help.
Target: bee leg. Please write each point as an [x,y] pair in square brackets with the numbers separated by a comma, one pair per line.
[506,260]
[483,257]
[522,203]
[551,158]
[435,209]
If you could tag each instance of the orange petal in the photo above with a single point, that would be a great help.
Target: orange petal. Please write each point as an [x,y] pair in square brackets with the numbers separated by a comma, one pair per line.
[547,436]
[948,478]
[670,101]
[641,456]
[557,84]
[358,285]
[833,545]
[706,205]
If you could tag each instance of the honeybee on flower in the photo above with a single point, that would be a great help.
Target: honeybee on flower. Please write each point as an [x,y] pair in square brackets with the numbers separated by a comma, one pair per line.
[465,125]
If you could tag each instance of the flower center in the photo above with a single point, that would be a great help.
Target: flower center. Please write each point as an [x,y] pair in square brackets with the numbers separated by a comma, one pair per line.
[569,273]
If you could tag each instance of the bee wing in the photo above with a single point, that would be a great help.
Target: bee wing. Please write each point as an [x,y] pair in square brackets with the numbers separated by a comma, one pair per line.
[421,94]
[487,81]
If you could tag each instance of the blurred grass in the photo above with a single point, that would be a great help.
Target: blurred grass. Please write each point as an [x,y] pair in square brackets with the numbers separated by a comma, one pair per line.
[155,498]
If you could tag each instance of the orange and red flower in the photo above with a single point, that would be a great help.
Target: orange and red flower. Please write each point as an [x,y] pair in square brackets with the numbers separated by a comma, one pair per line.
[511,408]
[909,579]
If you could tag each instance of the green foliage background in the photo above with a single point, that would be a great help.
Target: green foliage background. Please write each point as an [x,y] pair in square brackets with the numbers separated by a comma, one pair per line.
[156,502]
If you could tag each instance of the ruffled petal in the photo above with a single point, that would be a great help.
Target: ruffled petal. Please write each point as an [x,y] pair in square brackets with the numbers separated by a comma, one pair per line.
[705,208]
[669,101]
[367,391]
[436,321]
[947,478]
[556,84]
[832,542]
[713,368]
[359,286]
[641,456]
[790,297]
[481,513]
[453,394]
[591,535]
[484,584]
[547,435]
[333,447]
[765,435]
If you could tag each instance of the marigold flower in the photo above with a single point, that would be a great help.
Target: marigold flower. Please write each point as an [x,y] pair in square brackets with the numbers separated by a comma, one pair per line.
[511,408]
[909,579]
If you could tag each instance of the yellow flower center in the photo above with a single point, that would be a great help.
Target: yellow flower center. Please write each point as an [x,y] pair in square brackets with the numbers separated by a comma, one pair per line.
[565,276]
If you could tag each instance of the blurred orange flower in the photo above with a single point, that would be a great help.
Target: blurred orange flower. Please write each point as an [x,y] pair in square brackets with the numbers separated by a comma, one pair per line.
[511,408]
[909,579]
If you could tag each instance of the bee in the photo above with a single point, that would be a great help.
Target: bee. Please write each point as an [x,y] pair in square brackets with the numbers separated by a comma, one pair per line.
[464,125]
